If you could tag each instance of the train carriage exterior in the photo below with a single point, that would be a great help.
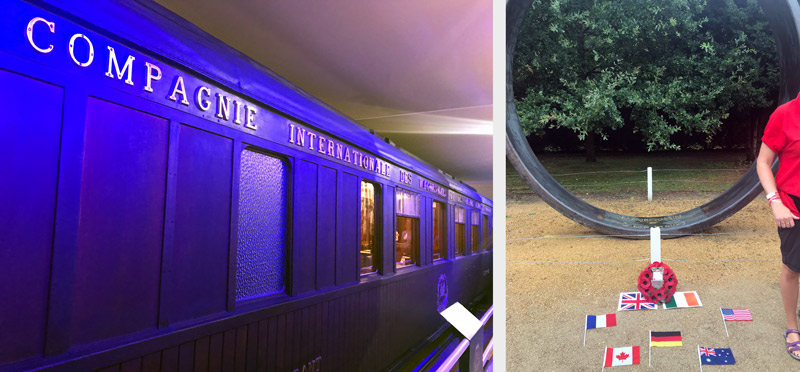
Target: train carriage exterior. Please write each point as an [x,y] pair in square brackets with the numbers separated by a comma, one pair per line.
[166,203]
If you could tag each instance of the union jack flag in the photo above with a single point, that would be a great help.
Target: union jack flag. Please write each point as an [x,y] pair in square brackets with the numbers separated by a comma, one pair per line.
[707,351]
[634,301]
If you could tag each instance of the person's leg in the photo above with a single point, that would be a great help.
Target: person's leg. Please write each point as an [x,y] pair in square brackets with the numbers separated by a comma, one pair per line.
[789,290]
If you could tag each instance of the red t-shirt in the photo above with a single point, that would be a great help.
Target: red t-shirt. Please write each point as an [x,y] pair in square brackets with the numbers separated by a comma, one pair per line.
[782,135]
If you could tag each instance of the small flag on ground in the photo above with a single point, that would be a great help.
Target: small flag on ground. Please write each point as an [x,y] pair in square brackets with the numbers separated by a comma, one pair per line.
[715,356]
[621,356]
[601,321]
[683,299]
[634,301]
[736,314]
[663,339]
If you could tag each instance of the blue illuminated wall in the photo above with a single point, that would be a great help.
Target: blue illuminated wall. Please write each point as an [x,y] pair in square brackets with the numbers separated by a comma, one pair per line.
[118,261]
[28,169]
[202,224]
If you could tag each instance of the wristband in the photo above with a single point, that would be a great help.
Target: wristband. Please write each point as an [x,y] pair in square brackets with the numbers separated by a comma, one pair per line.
[771,195]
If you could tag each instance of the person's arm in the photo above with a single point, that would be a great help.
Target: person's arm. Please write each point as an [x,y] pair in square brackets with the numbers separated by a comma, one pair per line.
[783,217]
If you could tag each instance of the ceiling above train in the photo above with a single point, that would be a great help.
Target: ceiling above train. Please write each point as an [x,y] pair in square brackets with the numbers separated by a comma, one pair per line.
[418,71]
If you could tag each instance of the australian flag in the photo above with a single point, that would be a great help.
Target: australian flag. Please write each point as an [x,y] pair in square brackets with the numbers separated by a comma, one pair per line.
[715,356]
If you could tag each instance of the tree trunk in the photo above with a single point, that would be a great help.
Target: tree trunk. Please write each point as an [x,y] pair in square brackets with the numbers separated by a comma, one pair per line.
[591,150]
[750,134]
[752,138]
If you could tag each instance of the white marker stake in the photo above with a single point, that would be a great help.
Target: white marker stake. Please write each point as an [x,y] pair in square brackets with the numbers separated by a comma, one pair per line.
[655,244]
[650,350]
[650,183]
[724,322]
[698,358]
[604,358]
[585,324]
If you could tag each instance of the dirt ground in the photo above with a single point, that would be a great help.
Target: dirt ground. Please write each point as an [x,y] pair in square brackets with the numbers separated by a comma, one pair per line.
[559,271]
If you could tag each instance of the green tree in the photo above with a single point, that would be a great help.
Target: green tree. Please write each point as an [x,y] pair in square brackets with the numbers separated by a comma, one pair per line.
[741,33]
[661,66]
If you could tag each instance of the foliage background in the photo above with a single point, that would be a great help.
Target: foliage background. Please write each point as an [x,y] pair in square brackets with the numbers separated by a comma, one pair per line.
[645,75]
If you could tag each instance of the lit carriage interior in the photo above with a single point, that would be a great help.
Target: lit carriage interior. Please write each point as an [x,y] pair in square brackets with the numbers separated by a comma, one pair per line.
[167,203]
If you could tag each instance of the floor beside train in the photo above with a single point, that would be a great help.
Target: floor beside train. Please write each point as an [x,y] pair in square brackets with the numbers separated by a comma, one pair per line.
[559,271]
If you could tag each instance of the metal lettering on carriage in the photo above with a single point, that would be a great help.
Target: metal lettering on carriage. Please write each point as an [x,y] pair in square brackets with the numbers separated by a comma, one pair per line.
[318,143]
[432,187]
[230,109]
[405,177]
[454,196]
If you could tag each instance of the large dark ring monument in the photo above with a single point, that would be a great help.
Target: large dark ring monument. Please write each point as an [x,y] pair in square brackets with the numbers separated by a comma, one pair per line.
[784,18]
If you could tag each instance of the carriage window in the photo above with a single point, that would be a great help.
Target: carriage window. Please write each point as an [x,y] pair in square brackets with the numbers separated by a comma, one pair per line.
[439,243]
[486,239]
[460,220]
[475,233]
[407,234]
[370,251]
[261,254]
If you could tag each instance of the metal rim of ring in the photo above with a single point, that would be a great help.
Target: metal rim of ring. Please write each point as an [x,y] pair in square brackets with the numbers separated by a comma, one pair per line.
[784,19]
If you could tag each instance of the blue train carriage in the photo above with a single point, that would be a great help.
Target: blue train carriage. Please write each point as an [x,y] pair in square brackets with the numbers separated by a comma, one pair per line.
[168,203]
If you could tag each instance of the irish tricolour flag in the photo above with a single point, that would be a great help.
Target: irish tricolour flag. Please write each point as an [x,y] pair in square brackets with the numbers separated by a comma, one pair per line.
[683,299]
[621,356]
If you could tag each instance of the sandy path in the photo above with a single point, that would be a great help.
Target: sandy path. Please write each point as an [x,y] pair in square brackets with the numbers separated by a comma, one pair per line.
[554,281]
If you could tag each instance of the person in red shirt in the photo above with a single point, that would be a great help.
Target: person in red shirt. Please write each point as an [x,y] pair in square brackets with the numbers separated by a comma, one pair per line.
[782,139]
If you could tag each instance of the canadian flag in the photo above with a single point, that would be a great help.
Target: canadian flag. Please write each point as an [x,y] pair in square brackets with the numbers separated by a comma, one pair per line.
[621,356]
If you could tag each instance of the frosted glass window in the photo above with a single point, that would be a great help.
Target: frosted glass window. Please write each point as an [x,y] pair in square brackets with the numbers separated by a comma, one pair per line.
[263,197]
[407,203]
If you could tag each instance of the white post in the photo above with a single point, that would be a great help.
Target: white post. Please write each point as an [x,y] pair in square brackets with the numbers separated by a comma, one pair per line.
[585,325]
[698,358]
[650,183]
[724,322]
[604,358]
[650,350]
[655,244]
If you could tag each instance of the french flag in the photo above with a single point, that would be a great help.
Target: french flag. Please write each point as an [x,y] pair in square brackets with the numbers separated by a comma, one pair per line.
[601,321]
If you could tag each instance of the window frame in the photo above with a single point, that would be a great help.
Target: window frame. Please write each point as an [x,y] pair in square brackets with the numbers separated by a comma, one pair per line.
[443,230]
[415,229]
[377,213]
[463,224]
[286,161]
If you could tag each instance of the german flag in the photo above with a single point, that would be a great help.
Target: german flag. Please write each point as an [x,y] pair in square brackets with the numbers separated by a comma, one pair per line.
[665,339]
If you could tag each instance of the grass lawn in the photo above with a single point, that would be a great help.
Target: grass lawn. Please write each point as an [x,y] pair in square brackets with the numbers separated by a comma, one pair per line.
[624,175]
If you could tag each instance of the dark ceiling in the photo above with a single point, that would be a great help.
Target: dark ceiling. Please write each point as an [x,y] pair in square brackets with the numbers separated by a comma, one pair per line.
[418,72]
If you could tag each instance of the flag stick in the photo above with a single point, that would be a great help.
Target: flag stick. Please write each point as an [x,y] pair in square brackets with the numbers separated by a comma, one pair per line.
[585,324]
[698,358]
[724,322]
[604,358]
[650,350]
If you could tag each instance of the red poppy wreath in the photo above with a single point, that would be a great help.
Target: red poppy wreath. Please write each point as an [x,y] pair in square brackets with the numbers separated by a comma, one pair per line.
[652,293]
